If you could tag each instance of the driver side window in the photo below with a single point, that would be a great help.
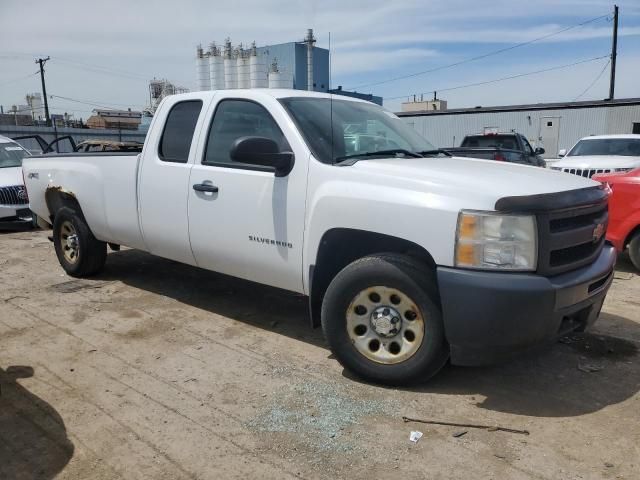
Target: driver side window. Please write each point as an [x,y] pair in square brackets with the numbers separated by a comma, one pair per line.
[239,118]
[527,148]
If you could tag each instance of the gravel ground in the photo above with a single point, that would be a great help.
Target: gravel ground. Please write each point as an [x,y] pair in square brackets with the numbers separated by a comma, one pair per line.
[160,370]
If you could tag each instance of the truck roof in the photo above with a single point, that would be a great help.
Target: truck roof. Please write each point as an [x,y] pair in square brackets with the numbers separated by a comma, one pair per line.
[270,92]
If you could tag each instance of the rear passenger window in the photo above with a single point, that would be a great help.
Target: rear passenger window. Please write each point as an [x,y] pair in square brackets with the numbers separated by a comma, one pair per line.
[239,118]
[178,131]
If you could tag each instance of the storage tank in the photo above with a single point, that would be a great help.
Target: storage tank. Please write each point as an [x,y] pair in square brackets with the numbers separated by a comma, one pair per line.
[278,79]
[257,69]
[242,65]
[216,68]
[202,70]
[230,66]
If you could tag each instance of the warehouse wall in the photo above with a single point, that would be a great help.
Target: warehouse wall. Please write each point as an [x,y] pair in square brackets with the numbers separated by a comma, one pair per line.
[447,130]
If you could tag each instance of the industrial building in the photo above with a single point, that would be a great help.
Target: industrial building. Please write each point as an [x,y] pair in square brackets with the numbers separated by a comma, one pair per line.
[116,119]
[298,65]
[553,126]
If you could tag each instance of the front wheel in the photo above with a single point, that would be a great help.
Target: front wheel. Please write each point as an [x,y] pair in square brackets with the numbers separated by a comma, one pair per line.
[78,251]
[381,318]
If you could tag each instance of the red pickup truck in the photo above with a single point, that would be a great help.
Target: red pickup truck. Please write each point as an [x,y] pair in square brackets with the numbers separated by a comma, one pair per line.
[624,212]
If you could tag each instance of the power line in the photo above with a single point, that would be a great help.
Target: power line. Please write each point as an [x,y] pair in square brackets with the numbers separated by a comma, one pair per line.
[479,57]
[94,104]
[19,78]
[594,81]
[510,77]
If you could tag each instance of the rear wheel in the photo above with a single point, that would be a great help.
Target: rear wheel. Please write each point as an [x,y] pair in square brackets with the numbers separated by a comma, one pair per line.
[78,251]
[634,250]
[381,318]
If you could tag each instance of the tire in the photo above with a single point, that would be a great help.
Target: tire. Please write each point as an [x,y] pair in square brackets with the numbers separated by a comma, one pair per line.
[349,307]
[634,250]
[83,256]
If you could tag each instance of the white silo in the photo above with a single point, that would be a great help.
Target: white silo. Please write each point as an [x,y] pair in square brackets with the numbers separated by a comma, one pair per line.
[202,70]
[230,66]
[242,65]
[216,68]
[257,69]
[278,78]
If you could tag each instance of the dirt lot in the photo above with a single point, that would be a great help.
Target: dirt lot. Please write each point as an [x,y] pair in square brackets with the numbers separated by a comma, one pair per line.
[160,370]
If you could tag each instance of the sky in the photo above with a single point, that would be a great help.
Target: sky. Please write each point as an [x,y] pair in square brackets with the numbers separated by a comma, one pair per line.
[104,53]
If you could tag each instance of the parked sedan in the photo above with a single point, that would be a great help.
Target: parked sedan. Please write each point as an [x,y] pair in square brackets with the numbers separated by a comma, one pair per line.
[624,212]
[600,154]
[14,203]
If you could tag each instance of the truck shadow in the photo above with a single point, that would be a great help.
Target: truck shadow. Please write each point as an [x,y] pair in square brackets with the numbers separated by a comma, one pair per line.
[581,374]
[252,303]
[33,438]
[552,383]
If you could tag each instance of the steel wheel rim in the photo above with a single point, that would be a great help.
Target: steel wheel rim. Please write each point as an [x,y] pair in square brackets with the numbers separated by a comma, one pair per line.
[370,317]
[69,242]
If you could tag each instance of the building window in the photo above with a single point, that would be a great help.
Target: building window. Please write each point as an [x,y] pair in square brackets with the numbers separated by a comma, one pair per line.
[636,127]
[549,124]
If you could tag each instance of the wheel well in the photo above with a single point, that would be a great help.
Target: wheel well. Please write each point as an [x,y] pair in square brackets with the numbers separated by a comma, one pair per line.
[341,246]
[632,234]
[58,198]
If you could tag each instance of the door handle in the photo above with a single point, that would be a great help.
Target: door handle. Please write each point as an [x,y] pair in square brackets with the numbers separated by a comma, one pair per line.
[205,187]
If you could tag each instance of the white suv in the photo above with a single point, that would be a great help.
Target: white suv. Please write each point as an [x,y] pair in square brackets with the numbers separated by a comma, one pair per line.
[14,203]
[600,154]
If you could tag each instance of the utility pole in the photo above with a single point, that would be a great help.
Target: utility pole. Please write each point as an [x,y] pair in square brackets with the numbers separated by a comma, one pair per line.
[41,62]
[614,54]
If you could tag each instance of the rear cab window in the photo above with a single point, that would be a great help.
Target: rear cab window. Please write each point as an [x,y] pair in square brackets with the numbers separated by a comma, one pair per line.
[179,128]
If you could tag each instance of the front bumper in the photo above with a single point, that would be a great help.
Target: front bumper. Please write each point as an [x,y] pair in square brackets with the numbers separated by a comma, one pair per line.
[489,316]
[15,218]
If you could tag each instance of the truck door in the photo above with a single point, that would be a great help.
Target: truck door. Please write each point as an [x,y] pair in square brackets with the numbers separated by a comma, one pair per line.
[249,223]
[164,180]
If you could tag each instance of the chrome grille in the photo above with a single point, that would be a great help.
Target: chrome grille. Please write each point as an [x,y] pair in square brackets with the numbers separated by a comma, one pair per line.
[586,172]
[14,195]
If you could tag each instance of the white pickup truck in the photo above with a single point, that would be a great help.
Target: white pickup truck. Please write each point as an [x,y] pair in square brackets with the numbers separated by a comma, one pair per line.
[409,257]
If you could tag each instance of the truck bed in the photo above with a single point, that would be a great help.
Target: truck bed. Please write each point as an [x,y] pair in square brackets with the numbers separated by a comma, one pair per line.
[112,214]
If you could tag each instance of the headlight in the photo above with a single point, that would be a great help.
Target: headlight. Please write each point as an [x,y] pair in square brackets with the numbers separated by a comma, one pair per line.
[621,170]
[556,168]
[492,241]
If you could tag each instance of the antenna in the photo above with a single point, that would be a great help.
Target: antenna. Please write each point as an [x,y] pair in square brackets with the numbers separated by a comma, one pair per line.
[330,100]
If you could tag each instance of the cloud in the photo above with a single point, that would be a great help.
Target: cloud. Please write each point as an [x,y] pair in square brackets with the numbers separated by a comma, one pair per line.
[372,39]
[363,61]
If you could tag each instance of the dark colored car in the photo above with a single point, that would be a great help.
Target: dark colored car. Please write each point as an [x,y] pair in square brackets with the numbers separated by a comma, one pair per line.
[503,147]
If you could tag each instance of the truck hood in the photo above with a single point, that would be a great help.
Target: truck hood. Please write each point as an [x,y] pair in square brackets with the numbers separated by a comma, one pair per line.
[479,183]
[598,162]
[10,176]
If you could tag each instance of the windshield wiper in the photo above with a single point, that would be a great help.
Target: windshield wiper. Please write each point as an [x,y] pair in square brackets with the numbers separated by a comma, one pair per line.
[436,151]
[394,151]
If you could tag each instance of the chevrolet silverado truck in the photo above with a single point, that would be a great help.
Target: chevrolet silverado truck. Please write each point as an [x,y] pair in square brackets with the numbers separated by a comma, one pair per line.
[408,258]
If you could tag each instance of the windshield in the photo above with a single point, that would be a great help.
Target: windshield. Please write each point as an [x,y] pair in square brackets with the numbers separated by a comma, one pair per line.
[629,147]
[491,141]
[11,155]
[358,129]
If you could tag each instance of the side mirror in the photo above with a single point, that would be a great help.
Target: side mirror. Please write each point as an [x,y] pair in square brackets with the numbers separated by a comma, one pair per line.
[264,152]
[562,152]
[539,151]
